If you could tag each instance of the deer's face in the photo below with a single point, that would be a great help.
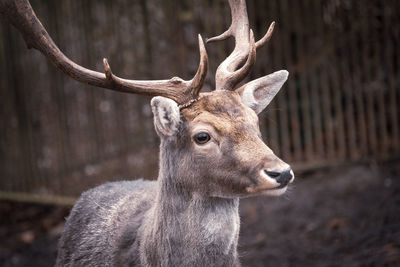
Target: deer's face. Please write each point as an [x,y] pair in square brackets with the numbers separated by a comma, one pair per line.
[220,151]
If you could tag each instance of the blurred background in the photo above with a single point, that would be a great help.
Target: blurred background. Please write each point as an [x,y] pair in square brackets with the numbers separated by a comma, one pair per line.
[336,121]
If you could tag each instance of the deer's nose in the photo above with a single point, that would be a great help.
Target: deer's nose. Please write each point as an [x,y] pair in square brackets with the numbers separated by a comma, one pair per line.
[282,177]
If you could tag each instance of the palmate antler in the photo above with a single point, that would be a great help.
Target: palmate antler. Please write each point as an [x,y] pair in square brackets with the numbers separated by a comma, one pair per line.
[228,75]
[20,14]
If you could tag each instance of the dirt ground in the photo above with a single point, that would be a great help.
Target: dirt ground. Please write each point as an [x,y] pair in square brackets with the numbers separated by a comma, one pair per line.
[342,216]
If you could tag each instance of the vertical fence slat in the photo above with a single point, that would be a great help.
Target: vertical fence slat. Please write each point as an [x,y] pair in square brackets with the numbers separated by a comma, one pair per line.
[302,66]
[312,79]
[332,69]
[272,110]
[368,72]
[295,135]
[282,99]
[323,84]
[338,109]
[356,85]
[390,48]
[377,10]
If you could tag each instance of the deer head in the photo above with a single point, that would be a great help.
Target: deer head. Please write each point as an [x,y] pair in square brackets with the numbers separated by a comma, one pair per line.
[216,136]
[210,142]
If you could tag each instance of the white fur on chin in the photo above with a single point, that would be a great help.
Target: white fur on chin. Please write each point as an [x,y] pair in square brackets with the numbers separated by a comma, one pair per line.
[275,192]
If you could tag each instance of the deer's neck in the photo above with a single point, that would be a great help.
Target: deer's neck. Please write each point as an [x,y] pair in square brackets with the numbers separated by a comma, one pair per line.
[188,228]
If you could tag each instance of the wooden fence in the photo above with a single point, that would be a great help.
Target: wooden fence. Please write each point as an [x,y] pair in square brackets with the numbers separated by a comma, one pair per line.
[58,137]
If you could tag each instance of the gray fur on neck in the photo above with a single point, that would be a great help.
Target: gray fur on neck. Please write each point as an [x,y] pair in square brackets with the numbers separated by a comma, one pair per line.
[143,223]
[204,228]
[191,231]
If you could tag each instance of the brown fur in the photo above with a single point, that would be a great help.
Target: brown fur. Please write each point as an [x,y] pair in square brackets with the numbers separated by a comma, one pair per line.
[229,121]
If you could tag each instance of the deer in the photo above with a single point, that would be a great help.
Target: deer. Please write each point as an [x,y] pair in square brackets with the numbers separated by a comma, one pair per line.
[211,155]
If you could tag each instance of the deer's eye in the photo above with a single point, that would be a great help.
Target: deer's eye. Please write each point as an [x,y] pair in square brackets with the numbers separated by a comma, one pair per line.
[202,138]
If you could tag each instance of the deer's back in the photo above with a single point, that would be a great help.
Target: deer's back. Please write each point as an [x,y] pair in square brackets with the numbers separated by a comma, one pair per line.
[96,232]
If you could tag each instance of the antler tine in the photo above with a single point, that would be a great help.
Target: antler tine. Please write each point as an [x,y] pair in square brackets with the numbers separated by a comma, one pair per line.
[227,75]
[267,36]
[20,14]
[200,76]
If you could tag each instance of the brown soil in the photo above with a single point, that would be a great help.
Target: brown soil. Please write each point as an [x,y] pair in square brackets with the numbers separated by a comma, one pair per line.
[344,216]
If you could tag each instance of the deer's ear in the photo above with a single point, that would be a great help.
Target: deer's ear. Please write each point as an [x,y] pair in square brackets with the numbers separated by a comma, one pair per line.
[166,115]
[258,94]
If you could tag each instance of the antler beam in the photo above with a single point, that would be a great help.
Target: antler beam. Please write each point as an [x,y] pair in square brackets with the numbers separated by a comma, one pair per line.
[20,14]
[228,75]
